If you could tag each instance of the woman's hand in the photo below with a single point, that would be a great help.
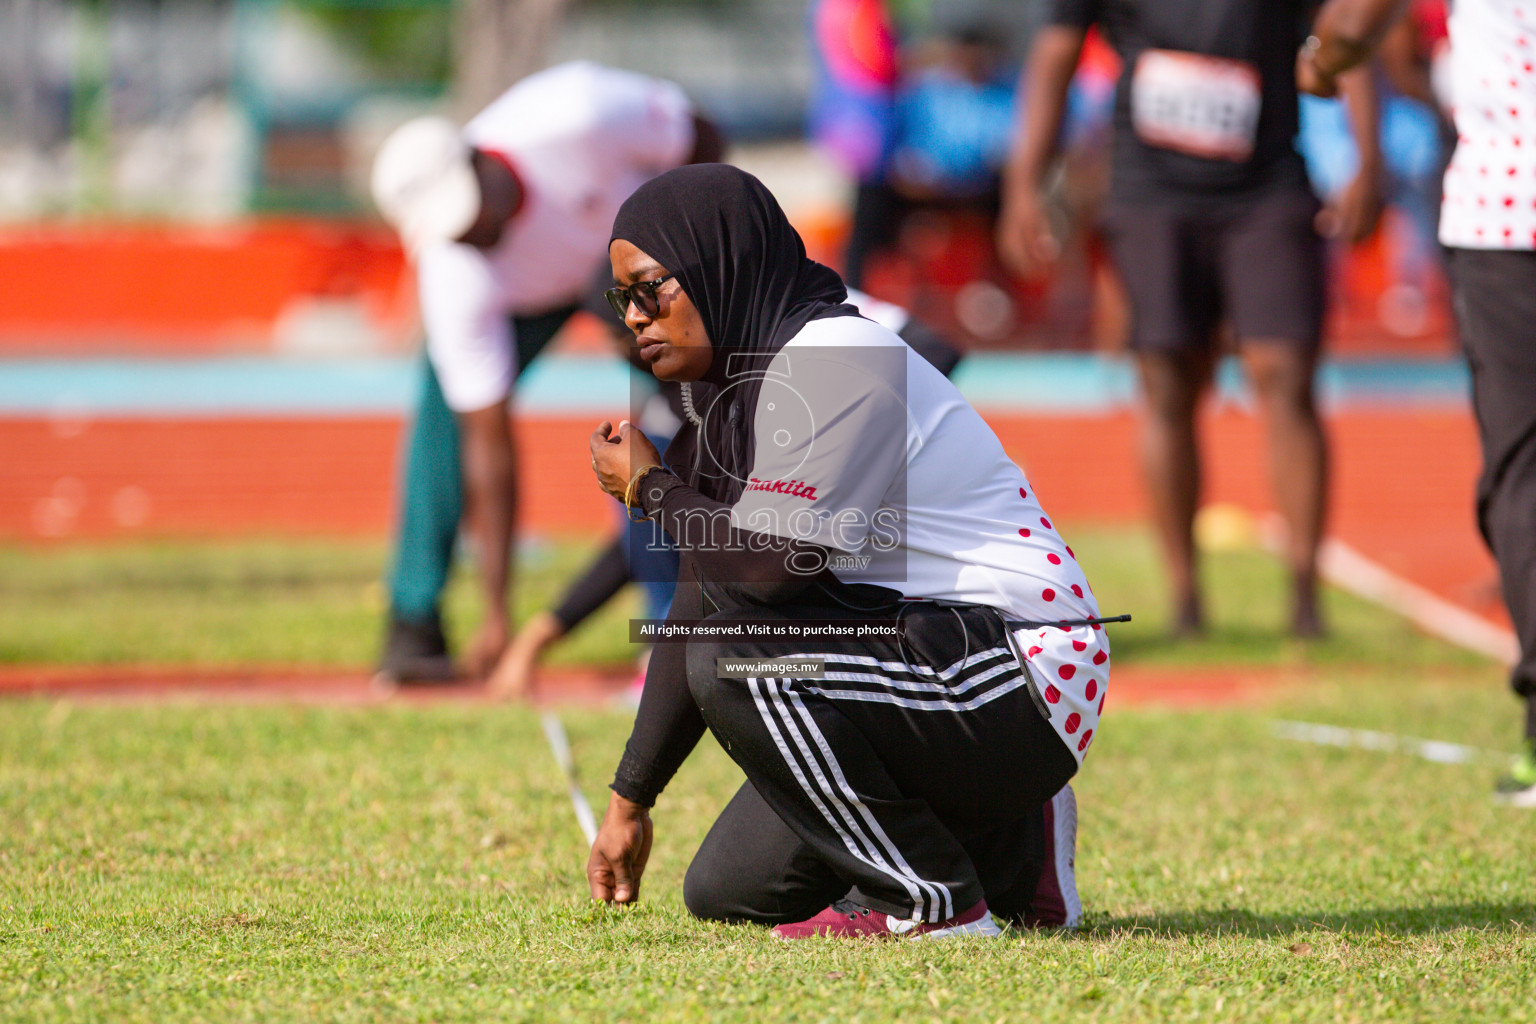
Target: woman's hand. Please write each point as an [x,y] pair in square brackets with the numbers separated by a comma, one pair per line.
[618,856]
[618,455]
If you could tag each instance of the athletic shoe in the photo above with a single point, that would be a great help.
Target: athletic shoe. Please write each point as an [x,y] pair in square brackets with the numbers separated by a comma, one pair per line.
[846,919]
[1518,787]
[415,652]
[1056,904]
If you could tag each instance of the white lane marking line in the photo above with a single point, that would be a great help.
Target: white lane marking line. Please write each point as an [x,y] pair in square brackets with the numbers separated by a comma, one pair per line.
[1348,569]
[560,746]
[1438,751]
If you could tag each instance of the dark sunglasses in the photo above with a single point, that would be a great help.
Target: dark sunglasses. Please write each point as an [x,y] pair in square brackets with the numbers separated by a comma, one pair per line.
[641,293]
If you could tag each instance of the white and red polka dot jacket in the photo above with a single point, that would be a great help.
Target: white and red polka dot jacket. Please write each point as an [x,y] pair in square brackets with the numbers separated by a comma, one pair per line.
[1490,186]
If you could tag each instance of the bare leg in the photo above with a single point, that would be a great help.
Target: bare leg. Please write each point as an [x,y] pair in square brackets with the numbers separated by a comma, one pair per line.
[514,676]
[1282,374]
[1173,382]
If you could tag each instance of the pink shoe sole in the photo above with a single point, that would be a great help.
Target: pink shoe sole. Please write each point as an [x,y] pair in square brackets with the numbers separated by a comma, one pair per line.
[847,920]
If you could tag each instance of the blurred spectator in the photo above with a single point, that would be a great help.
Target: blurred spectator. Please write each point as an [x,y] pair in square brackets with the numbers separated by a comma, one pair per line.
[1488,224]
[1210,218]
[1417,140]
[954,118]
[853,111]
[924,130]
[924,123]
[507,221]
[853,108]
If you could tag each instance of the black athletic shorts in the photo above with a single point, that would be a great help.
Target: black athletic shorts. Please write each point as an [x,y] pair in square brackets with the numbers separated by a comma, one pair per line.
[1257,264]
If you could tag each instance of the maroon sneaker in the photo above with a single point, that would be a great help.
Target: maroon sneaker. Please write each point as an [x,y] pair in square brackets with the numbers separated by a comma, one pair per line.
[1056,904]
[845,919]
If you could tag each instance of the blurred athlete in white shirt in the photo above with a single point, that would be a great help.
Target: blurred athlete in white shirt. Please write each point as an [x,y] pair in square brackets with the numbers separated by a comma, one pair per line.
[506,220]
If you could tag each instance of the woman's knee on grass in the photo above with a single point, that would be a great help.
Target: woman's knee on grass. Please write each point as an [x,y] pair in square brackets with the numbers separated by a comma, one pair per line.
[758,875]
[707,894]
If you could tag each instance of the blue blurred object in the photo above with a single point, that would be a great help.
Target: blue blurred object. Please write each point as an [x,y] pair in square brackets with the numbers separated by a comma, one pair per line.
[1410,142]
[952,133]
[1413,151]
[1090,108]
[853,102]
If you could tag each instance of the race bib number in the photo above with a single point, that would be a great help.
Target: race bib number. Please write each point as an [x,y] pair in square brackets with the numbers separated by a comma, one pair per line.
[1204,106]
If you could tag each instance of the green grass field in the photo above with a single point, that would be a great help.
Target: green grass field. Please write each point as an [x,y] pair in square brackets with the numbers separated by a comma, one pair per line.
[183,861]
[322,603]
[310,603]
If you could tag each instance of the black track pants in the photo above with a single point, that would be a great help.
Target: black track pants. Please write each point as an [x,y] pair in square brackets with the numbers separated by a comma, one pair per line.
[1495,295]
[912,774]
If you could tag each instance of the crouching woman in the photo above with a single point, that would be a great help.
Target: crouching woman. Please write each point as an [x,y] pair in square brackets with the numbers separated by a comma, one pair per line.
[828,474]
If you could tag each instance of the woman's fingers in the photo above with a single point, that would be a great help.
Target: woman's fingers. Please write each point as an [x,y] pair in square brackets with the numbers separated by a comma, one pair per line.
[600,877]
[642,451]
[626,888]
[618,454]
[611,456]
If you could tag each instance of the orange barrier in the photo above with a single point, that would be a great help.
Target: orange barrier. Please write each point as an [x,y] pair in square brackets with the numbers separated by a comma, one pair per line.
[147,289]
[166,289]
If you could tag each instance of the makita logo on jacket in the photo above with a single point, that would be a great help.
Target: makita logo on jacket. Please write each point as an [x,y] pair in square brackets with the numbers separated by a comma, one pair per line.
[793,488]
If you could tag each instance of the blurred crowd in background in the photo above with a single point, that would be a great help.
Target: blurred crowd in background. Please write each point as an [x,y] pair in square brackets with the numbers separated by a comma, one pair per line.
[214,110]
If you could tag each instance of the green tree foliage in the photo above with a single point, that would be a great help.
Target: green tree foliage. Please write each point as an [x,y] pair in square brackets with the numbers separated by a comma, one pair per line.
[404,41]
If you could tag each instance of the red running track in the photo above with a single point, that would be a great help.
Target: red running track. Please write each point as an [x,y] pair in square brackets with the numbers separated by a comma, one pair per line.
[1402,493]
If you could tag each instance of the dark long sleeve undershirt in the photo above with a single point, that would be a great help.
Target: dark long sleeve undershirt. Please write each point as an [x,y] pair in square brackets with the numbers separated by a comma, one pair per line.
[668,724]
[605,576]
[742,571]
[744,567]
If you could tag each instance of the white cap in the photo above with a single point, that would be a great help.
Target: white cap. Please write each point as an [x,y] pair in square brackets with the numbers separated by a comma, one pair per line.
[424,182]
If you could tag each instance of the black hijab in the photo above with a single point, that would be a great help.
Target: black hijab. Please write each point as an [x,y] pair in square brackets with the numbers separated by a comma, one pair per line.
[721,232]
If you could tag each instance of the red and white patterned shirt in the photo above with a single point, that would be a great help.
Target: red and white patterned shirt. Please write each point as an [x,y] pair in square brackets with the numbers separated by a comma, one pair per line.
[870,452]
[1490,186]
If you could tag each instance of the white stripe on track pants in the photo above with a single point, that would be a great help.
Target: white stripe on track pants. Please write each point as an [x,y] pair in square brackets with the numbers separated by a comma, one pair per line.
[912,774]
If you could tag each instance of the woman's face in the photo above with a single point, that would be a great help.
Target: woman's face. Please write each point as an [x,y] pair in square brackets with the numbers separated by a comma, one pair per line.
[673,342]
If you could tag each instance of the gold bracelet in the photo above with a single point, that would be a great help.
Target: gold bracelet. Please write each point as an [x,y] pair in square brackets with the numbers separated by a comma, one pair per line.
[629,492]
